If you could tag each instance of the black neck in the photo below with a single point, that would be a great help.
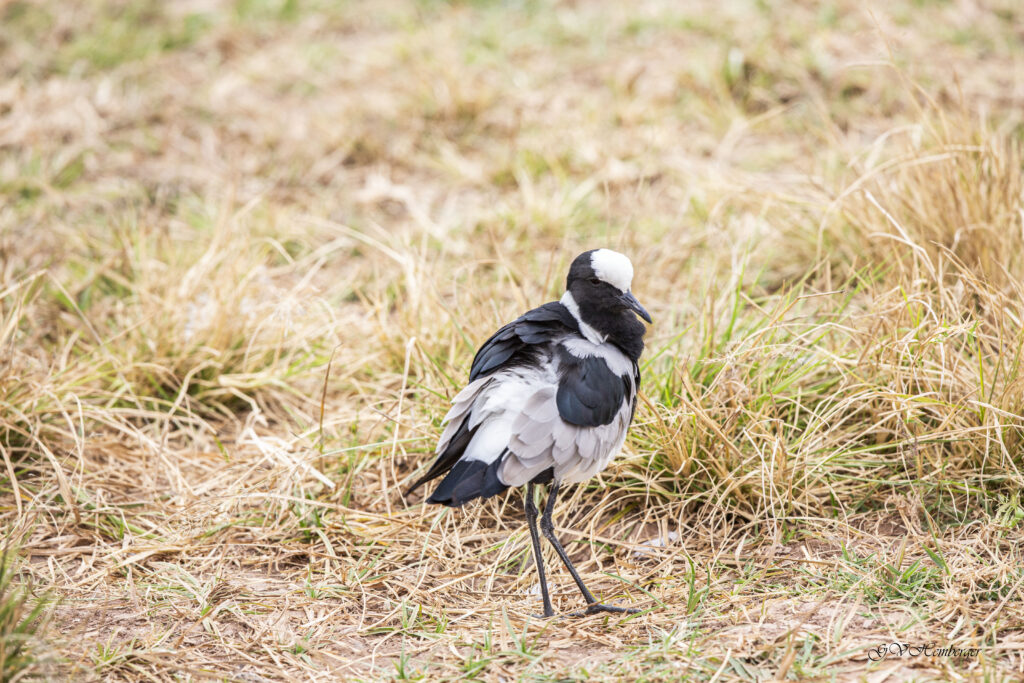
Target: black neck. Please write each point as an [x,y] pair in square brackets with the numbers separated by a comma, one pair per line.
[621,328]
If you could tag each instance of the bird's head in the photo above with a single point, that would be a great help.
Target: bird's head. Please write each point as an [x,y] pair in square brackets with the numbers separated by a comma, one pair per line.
[599,281]
[598,287]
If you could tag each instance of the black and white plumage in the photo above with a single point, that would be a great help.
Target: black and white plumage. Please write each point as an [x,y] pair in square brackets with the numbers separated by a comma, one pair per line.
[550,398]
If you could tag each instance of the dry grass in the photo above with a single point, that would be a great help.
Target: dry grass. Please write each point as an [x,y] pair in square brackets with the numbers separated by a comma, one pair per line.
[247,250]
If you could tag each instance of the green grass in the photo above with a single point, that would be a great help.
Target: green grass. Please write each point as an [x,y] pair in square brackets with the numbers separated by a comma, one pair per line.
[23,618]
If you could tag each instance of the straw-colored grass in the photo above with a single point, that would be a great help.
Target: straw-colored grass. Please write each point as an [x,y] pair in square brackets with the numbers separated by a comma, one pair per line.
[247,250]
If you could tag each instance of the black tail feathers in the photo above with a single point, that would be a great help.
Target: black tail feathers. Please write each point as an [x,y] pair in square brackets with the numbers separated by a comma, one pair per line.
[469,480]
[448,458]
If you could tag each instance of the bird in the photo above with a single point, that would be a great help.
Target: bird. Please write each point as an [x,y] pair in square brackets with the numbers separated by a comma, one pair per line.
[550,398]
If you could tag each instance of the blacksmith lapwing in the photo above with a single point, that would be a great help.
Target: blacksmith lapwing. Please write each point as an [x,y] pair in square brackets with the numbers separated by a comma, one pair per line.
[549,400]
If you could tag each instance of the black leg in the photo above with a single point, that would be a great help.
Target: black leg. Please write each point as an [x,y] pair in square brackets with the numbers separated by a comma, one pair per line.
[548,527]
[531,519]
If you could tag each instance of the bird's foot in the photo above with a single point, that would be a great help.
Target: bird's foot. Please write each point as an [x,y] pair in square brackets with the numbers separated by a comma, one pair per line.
[598,607]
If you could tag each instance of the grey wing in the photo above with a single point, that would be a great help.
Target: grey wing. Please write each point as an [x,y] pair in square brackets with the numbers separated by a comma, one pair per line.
[541,439]
[462,406]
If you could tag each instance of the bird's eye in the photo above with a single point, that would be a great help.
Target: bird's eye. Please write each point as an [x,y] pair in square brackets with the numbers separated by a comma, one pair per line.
[595,281]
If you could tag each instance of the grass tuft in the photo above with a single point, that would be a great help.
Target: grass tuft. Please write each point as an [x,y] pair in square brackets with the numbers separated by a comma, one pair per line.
[23,618]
